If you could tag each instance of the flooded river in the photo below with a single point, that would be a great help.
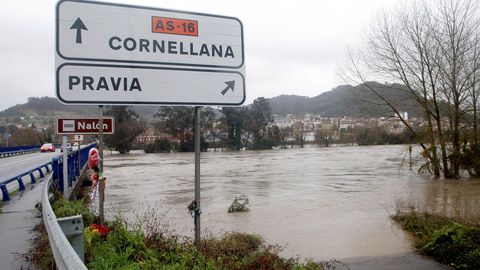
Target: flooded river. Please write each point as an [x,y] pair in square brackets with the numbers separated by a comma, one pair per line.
[320,203]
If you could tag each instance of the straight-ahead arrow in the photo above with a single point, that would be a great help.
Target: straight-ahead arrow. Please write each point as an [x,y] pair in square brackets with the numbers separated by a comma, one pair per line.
[78,24]
[230,84]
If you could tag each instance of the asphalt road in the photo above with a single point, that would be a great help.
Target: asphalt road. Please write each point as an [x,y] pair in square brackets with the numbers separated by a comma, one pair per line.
[12,166]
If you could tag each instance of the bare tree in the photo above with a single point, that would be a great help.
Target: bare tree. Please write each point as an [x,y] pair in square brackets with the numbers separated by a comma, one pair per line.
[431,47]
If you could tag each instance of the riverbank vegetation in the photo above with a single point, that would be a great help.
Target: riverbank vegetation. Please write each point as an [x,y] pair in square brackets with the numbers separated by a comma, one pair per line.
[452,241]
[149,244]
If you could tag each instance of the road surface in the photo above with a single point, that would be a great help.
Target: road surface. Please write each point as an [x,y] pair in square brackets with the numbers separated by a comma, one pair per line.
[12,166]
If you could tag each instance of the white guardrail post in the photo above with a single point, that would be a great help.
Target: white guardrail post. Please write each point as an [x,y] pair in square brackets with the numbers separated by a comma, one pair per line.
[64,254]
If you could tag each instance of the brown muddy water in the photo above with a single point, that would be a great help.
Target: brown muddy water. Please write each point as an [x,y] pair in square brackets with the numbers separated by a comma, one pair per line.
[320,203]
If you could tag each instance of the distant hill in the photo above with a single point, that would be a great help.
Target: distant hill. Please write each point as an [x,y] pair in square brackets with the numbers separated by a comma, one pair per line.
[49,106]
[341,101]
[347,100]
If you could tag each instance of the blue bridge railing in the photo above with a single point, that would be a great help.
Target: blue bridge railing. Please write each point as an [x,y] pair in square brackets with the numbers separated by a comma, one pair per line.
[73,167]
[56,165]
[33,175]
[18,150]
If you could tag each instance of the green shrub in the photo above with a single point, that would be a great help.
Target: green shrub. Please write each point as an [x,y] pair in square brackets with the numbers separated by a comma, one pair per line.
[455,244]
[66,208]
[448,240]
[122,249]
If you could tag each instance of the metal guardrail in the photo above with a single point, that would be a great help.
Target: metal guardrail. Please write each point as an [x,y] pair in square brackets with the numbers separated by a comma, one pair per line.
[63,253]
[20,178]
[65,256]
[18,150]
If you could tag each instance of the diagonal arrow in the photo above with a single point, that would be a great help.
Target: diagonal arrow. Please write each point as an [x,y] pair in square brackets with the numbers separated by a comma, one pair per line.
[230,84]
[78,24]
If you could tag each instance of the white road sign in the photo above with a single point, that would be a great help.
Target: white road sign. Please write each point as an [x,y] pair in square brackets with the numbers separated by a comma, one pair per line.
[110,53]
[78,138]
[112,84]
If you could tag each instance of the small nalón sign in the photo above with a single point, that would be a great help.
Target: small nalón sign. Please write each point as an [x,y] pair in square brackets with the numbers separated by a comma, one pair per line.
[109,53]
[68,125]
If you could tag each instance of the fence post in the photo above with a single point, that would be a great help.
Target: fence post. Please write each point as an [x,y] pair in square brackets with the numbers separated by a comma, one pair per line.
[6,196]
[71,170]
[40,172]
[32,178]
[21,186]
[58,173]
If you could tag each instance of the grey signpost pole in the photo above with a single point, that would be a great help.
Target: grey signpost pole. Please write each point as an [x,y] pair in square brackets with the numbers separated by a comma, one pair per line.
[65,166]
[79,161]
[101,187]
[197,177]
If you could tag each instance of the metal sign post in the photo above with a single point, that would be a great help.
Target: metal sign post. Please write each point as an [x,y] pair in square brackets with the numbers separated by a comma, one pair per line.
[197,177]
[65,165]
[79,159]
[101,179]
[78,139]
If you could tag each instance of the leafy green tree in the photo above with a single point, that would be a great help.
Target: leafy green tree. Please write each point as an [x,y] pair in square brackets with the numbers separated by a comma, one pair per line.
[274,134]
[234,119]
[178,122]
[128,126]
[260,116]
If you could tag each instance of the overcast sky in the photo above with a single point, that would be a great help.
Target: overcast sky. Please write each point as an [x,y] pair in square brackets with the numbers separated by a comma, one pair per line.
[291,47]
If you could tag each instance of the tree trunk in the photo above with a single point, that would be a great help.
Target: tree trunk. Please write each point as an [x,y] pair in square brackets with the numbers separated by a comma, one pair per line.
[433,147]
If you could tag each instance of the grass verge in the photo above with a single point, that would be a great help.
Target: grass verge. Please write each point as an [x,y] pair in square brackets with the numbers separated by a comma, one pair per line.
[149,245]
[133,249]
[452,241]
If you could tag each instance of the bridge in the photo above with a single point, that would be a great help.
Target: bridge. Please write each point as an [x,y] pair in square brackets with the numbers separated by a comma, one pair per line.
[25,177]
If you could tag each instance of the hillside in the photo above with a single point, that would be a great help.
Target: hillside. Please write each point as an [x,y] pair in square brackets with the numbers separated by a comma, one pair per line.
[51,107]
[341,101]
[348,100]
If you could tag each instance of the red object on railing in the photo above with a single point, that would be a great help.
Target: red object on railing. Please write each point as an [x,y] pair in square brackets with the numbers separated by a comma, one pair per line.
[93,158]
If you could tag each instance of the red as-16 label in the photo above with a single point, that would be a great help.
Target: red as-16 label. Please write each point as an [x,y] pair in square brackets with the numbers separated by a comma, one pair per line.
[174,26]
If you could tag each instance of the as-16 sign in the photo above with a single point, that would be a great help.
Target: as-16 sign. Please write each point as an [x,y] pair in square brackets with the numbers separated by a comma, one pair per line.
[110,53]
[84,125]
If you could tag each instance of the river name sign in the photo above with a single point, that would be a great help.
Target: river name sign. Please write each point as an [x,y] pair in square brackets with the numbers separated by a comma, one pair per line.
[68,125]
[116,54]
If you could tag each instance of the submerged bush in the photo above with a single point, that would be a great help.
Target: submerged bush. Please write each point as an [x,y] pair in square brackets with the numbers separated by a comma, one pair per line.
[448,240]
[158,146]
